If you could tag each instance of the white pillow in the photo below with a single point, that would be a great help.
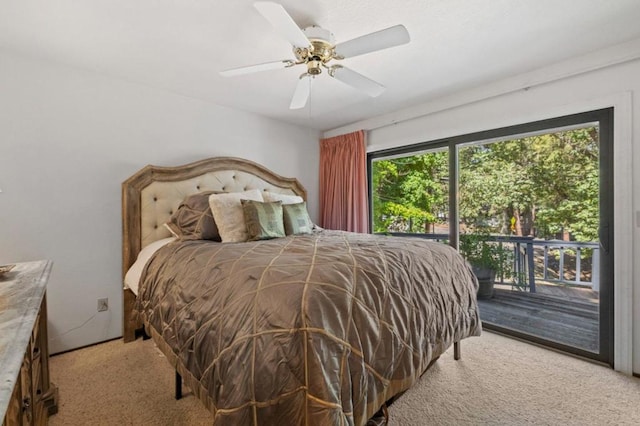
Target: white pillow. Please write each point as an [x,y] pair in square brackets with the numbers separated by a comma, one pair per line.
[271,197]
[227,212]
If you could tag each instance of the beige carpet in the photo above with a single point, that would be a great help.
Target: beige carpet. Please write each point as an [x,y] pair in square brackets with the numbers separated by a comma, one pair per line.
[498,381]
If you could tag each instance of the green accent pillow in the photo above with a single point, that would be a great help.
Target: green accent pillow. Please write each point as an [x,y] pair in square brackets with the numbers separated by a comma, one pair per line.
[296,219]
[264,220]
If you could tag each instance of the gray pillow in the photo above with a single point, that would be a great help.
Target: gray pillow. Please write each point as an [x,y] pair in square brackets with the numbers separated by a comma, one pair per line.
[193,219]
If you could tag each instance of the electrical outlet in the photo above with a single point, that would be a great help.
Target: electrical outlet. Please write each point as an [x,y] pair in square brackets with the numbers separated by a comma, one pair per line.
[103,304]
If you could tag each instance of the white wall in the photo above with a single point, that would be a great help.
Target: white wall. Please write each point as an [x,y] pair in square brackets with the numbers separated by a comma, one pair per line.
[69,137]
[497,106]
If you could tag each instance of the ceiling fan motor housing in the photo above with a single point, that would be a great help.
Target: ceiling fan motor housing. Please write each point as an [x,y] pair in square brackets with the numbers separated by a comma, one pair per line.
[320,52]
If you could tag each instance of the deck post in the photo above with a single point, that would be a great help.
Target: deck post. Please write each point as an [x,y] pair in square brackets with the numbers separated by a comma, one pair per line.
[578,265]
[456,350]
[531,267]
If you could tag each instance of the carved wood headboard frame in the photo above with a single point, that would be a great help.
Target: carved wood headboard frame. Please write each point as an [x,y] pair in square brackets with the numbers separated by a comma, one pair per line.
[150,196]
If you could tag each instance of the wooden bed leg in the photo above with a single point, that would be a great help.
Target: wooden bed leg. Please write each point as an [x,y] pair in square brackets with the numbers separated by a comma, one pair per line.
[456,350]
[129,335]
[128,325]
[178,385]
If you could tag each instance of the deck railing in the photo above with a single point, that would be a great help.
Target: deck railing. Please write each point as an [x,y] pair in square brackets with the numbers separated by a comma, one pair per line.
[525,254]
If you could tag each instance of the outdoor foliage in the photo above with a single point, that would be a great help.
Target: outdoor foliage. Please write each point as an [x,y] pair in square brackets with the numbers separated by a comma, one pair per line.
[410,192]
[540,186]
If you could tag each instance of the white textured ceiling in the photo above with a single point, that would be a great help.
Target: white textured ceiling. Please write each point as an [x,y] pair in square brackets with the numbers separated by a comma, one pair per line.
[181,46]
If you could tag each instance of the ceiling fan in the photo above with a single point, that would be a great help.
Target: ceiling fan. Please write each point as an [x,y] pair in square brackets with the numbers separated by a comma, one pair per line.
[315,48]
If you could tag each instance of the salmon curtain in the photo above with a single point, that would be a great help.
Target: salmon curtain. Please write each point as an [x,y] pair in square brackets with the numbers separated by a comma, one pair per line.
[343,183]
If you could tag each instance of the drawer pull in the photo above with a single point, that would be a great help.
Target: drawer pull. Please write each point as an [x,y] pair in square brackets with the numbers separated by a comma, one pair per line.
[26,403]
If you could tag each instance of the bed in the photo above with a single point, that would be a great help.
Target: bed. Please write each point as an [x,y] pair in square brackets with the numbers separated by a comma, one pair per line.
[322,327]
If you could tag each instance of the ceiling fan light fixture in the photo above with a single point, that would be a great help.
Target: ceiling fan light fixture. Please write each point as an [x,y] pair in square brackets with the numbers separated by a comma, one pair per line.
[314,67]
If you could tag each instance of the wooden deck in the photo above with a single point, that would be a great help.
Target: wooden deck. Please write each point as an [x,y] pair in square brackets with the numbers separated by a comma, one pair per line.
[570,321]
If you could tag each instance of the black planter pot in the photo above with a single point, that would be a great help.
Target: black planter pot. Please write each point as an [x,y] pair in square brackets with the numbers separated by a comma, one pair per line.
[486,279]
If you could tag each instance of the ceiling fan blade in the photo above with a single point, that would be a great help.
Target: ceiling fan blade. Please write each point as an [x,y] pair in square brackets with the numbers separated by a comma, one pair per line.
[303,90]
[390,37]
[256,68]
[357,80]
[283,22]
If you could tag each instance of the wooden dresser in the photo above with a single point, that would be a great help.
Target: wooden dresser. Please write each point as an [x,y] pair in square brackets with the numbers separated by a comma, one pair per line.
[27,396]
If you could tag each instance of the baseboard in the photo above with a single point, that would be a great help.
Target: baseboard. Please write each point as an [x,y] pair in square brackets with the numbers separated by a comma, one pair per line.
[85,346]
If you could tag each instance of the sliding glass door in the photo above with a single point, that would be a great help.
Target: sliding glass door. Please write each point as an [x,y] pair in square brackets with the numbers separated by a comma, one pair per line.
[530,207]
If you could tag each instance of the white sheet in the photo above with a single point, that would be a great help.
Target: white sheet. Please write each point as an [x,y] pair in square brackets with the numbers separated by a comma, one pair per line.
[133,275]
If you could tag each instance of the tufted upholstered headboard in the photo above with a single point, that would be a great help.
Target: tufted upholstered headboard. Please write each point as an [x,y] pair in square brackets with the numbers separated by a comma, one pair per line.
[150,197]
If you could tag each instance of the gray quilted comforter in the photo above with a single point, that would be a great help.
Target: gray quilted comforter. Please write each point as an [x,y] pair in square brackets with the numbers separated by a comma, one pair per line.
[316,329]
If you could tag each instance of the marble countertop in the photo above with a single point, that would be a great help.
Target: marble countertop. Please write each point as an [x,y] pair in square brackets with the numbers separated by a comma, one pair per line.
[21,293]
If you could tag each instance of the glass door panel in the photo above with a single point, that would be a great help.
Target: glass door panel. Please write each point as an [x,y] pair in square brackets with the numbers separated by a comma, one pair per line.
[529,223]
[410,194]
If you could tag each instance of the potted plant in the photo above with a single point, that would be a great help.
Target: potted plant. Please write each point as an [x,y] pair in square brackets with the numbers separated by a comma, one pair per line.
[486,258]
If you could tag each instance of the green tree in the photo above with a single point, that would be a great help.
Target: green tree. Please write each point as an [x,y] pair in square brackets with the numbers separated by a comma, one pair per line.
[409,193]
[547,183]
